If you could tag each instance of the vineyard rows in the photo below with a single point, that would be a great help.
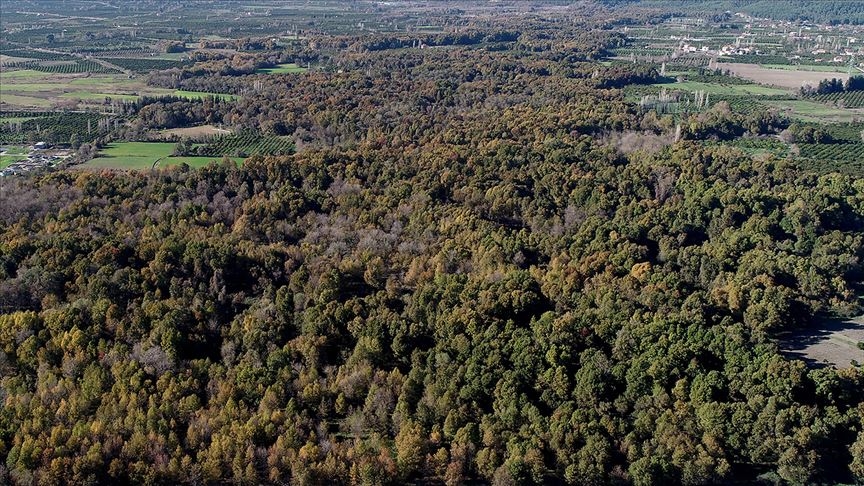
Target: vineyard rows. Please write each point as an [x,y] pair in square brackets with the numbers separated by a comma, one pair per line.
[55,128]
[129,53]
[42,56]
[117,48]
[76,66]
[845,132]
[849,99]
[846,153]
[847,158]
[247,144]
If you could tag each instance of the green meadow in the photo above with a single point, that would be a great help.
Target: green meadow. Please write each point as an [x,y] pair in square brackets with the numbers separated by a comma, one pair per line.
[143,155]
[724,89]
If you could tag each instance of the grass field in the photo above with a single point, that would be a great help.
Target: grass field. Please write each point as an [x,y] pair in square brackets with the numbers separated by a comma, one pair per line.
[14,150]
[142,156]
[95,95]
[131,155]
[812,111]
[724,89]
[23,73]
[18,100]
[29,89]
[283,69]
[6,160]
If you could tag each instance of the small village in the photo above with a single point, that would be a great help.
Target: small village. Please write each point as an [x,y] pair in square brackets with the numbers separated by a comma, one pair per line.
[40,156]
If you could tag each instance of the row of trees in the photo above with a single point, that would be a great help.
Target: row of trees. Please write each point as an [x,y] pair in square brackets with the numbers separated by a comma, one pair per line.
[834,85]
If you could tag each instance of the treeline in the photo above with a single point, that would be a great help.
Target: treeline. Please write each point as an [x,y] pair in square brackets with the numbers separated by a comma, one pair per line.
[834,85]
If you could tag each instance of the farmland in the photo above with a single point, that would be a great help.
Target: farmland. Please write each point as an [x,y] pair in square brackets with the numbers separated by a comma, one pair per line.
[196,132]
[289,68]
[724,89]
[786,78]
[145,155]
[32,89]
[246,144]
[854,99]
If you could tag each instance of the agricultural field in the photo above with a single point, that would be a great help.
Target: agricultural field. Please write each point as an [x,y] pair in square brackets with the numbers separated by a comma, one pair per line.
[145,155]
[804,68]
[6,160]
[846,99]
[791,79]
[62,67]
[744,95]
[198,132]
[758,147]
[811,111]
[145,65]
[53,127]
[842,157]
[723,89]
[290,68]
[247,144]
[33,89]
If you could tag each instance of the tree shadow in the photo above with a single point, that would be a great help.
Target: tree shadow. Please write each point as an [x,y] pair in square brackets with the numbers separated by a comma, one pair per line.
[835,342]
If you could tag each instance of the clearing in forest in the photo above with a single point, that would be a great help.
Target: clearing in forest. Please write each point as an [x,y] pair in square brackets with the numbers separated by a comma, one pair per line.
[195,132]
[143,156]
[283,69]
[835,342]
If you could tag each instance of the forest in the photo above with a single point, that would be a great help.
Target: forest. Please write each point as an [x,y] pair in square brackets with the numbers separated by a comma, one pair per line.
[481,264]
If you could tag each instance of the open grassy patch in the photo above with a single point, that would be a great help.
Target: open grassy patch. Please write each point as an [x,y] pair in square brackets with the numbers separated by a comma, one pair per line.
[7,160]
[19,100]
[131,155]
[15,150]
[724,89]
[87,95]
[143,155]
[283,69]
[22,73]
[44,89]
[812,111]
